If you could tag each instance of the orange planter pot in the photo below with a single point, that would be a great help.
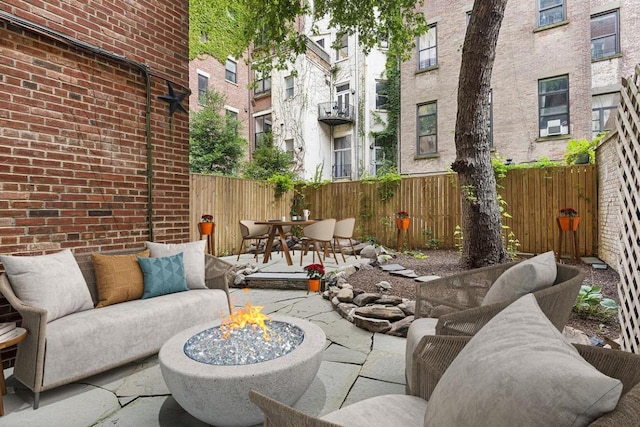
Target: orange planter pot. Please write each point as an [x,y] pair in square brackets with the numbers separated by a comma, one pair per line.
[403,223]
[568,223]
[314,285]
[206,228]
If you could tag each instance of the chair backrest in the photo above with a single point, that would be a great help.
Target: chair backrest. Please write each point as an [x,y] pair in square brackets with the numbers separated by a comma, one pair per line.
[321,230]
[281,415]
[250,229]
[344,228]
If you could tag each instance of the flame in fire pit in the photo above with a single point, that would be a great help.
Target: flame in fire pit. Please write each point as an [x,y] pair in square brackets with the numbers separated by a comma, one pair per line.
[250,315]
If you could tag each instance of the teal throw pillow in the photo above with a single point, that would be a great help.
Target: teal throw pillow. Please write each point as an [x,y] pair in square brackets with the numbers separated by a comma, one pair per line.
[163,275]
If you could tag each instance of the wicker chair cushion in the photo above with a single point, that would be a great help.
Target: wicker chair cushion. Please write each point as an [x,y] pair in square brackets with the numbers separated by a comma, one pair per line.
[193,259]
[418,329]
[163,275]
[386,410]
[118,277]
[520,370]
[53,282]
[528,276]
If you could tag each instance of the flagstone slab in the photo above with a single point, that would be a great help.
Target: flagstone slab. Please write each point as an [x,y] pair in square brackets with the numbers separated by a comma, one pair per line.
[392,267]
[405,273]
[426,278]
[338,353]
[384,366]
[364,388]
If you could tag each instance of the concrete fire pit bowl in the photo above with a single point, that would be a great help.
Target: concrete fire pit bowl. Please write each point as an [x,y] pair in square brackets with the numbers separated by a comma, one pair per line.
[219,394]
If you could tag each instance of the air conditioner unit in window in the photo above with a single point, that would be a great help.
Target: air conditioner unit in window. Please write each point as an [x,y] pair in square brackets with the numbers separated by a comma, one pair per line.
[554,128]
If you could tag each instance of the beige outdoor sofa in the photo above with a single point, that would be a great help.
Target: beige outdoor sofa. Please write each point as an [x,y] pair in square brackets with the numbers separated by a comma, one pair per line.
[86,342]
[518,370]
[460,297]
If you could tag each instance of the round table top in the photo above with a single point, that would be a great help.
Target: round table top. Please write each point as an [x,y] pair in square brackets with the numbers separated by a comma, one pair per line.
[13,337]
[287,222]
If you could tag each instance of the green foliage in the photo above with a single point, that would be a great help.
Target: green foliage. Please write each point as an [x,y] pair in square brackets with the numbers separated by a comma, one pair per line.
[214,144]
[268,160]
[432,242]
[388,138]
[576,148]
[458,239]
[388,183]
[283,183]
[591,303]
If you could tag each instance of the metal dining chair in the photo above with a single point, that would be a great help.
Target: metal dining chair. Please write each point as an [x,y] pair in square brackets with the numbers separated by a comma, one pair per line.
[319,233]
[344,230]
[251,231]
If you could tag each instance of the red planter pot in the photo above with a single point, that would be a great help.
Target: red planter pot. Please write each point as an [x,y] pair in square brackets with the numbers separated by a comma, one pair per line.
[206,228]
[568,223]
[314,285]
[403,223]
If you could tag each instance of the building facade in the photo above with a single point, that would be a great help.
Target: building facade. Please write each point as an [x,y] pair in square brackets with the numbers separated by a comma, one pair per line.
[556,77]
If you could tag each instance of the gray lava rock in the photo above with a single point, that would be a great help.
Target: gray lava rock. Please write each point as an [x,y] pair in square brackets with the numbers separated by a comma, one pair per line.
[365,298]
[389,300]
[384,286]
[345,295]
[372,325]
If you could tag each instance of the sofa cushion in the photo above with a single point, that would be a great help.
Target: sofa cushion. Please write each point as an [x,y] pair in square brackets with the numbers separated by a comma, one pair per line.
[520,370]
[527,276]
[118,277]
[163,275]
[53,282]
[193,259]
[418,329]
[385,410]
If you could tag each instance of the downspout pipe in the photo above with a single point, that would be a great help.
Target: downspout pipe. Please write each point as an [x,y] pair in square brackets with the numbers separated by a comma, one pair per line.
[144,68]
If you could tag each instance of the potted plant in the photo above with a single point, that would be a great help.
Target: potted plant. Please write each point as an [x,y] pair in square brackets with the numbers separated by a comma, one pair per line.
[568,219]
[403,220]
[315,273]
[206,225]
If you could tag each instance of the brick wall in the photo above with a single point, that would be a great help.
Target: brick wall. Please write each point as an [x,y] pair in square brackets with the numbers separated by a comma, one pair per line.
[73,152]
[608,201]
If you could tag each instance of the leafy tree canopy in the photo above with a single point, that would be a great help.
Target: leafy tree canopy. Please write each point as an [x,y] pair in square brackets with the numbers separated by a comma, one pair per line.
[214,144]
[268,160]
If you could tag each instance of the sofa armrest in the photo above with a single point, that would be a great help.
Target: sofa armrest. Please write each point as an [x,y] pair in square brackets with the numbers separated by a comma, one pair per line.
[468,322]
[216,273]
[30,356]
[431,358]
[459,291]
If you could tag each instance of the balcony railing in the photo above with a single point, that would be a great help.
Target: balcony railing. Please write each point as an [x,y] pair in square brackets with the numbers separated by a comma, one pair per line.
[335,113]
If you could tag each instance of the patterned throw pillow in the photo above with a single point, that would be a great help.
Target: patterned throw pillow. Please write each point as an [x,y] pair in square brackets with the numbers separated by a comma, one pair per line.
[193,259]
[163,275]
[53,282]
[118,277]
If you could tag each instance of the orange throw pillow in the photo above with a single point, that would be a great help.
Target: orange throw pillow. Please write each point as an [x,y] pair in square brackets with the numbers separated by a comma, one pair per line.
[118,277]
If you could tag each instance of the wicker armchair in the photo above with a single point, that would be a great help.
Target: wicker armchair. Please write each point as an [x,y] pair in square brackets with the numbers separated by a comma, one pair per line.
[435,353]
[461,295]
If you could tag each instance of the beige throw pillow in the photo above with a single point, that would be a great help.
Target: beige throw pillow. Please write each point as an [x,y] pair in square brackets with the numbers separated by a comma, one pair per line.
[193,257]
[519,370]
[118,277]
[527,276]
[53,282]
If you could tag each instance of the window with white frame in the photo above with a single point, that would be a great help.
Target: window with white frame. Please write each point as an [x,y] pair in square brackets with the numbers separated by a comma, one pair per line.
[383,42]
[550,12]
[427,142]
[427,48]
[378,155]
[263,83]
[605,35]
[342,157]
[343,51]
[288,87]
[288,145]
[232,119]
[231,71]
[382,99]
[553,105]
[342,97]
[602,107]
[203,86]
[262,128]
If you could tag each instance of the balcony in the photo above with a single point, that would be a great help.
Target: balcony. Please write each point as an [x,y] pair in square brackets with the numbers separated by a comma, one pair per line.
[335,113]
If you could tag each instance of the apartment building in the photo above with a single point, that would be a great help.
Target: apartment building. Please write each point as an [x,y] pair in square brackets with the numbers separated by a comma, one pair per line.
[556,77]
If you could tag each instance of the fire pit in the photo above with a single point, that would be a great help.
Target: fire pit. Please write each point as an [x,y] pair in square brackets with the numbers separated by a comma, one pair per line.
[210,368]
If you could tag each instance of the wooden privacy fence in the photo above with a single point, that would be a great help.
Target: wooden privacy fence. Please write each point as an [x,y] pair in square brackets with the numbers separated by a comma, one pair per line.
[533,197]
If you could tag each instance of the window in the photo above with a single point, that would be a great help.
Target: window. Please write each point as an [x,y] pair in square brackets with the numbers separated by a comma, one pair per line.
[605,35]
[550,12]
[427,49]
[378,155]
[288,146]
[602,106]
[383,42]
[288,87]
[342,107]
[231,71]
[343,51]
[203,85]
[263,127]
[320,42]
[427,129]
[342,157]
[553,104]
[263,83]
[382,100]
[232,120]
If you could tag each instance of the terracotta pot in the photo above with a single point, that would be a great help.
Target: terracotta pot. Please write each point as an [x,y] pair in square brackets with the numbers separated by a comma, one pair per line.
[314,285]
[206,228]
[568,223]
[403,223]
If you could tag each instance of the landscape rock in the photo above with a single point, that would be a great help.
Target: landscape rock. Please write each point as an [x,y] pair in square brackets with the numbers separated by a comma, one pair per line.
[369,252]
[346,310]
[365,298]
[409,307]
[576,336]
[345,295]
[388,300]
[384,286]
[380,312]
[400,328]
[372,325]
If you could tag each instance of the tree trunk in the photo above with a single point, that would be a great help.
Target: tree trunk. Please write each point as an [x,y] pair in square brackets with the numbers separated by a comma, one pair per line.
[481,222]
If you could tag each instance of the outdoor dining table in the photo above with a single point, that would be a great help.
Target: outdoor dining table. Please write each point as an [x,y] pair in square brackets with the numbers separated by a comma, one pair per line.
[275,226]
